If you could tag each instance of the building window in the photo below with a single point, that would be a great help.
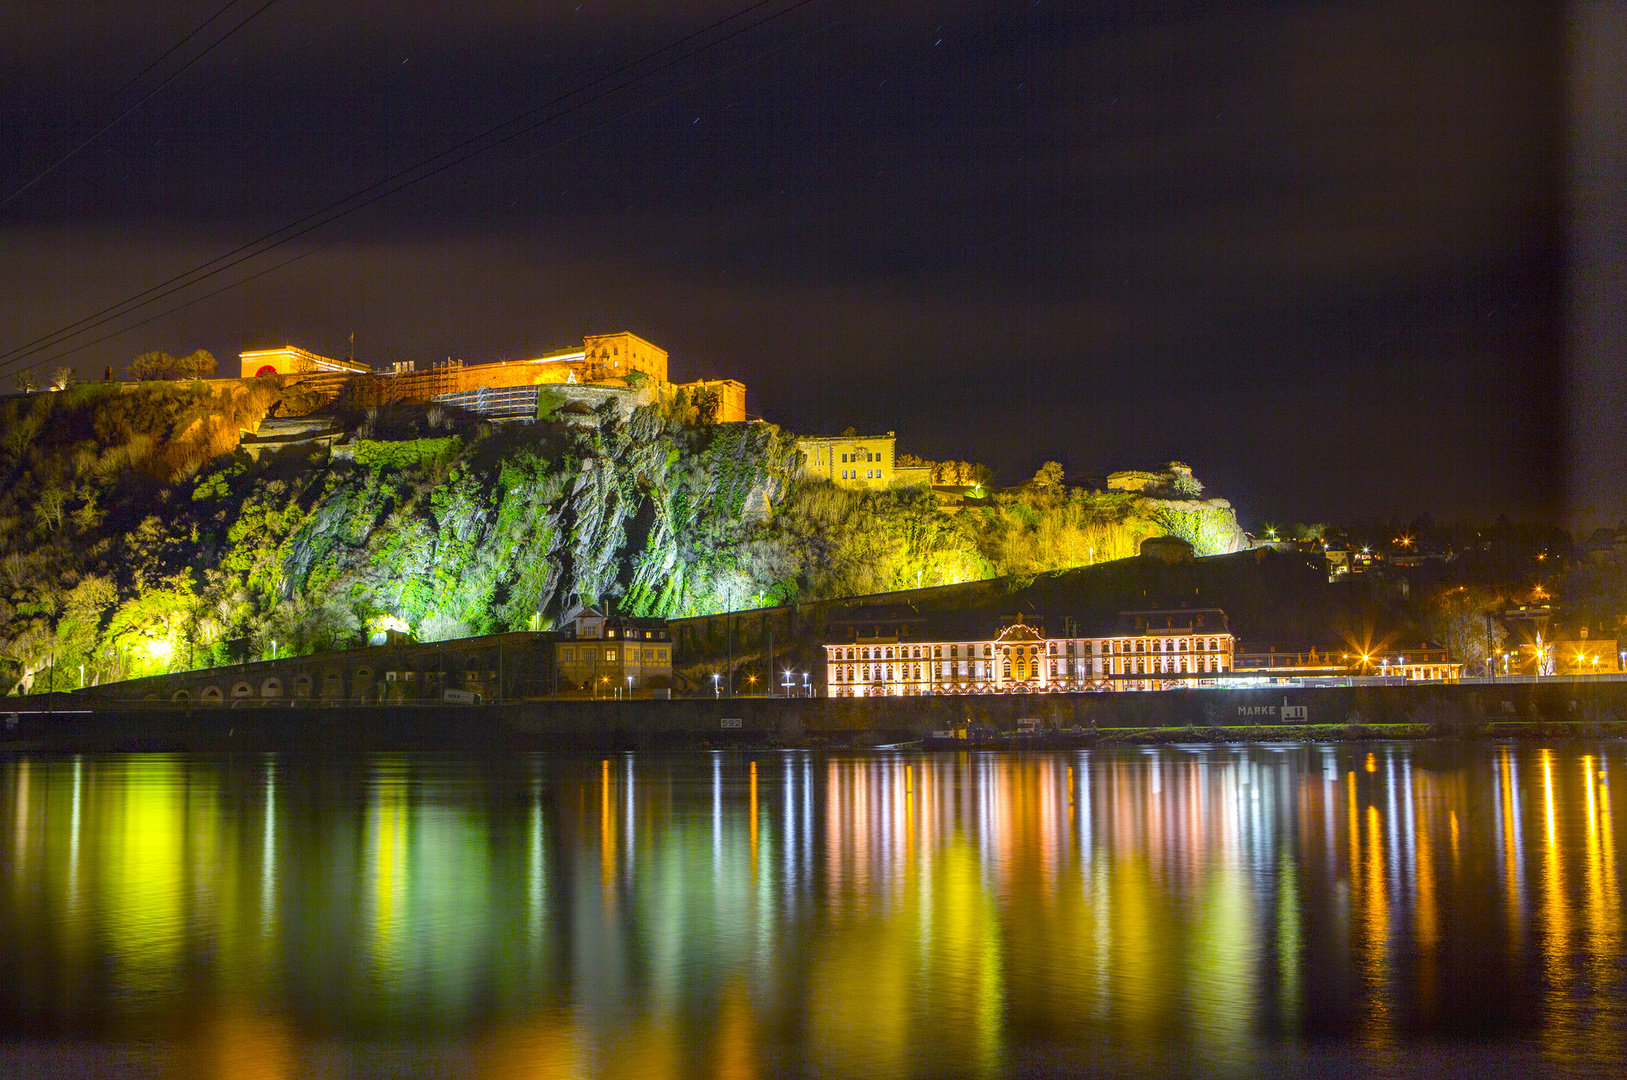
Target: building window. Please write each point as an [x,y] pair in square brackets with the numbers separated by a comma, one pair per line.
[567,656]
[1008,669]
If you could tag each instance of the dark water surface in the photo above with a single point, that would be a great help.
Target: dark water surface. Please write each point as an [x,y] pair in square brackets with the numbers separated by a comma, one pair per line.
[1407,909]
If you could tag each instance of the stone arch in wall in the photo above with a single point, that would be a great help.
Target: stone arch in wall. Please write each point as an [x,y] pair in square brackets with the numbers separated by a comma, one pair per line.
[302,686]
[271,688]
[361,684]
[181,695]
[242,690]
[332,685]
[212,695]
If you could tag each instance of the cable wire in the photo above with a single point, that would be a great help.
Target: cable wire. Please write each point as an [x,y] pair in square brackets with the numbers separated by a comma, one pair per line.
[402,179]
[99,132]
[330,243]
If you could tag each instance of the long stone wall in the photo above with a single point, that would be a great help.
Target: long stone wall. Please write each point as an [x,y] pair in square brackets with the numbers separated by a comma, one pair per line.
[1582,708]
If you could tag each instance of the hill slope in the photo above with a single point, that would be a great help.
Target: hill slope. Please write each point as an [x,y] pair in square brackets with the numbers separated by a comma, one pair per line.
[136,536]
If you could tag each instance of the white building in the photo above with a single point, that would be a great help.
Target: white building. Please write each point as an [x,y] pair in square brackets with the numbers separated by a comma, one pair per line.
[1147,650]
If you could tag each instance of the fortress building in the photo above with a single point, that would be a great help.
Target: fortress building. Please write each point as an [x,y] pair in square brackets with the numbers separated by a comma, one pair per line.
[290,360]
[506,390]
[865,461]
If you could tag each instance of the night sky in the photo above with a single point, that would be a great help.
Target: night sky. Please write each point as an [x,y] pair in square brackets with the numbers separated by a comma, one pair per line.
[1317,250]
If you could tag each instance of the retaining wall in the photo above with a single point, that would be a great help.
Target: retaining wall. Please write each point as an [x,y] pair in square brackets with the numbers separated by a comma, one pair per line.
[601,725]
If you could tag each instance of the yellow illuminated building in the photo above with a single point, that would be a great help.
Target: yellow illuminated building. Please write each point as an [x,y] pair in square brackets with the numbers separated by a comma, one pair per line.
[290,360]
[865,461]
[507,389]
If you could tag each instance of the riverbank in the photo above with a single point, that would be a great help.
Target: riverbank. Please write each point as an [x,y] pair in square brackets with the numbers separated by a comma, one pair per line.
[64,723]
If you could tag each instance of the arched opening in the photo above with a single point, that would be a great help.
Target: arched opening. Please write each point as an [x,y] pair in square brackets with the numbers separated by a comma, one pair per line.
[302,686]
[181,695]
[271,688]
[242,690]
[267,369]
[212,695]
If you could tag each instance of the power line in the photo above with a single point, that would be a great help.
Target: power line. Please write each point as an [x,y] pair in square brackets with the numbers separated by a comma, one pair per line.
[617,118]
[402,179]
[99,132]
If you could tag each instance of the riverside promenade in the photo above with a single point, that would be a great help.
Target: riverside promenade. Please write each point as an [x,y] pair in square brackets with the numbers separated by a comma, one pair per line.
[63,722]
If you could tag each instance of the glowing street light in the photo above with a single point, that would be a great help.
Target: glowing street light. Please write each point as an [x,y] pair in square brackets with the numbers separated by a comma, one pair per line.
[716,680]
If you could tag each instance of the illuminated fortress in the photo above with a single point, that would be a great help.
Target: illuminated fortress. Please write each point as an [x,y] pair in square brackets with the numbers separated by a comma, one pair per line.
[505,389]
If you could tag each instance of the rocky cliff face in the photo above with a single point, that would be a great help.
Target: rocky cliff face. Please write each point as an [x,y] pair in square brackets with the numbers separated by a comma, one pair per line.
[1209,525]
[136,538]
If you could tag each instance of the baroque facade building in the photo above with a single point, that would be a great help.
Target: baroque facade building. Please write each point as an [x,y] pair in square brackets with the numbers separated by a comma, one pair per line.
[1144,650]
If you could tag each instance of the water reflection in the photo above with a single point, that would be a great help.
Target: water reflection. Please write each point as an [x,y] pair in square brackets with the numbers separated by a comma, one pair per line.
[1197,908]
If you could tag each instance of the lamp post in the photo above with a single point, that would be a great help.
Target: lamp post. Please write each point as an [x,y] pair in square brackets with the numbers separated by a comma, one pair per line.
[807,688]
[629,688]
[81,676]
[716,679]
[273,648]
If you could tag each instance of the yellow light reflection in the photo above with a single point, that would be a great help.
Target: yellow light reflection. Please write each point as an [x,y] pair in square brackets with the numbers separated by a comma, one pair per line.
[607,835]
[145,884]
[1559,1031]
[389,857]
[1377,924]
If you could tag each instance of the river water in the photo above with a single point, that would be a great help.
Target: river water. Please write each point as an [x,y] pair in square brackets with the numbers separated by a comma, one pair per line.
[1295,910]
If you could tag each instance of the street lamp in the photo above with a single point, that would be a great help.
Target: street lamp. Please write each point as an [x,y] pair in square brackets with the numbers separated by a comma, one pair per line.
[807,689]
[273,648]
[629,688]
[716,679]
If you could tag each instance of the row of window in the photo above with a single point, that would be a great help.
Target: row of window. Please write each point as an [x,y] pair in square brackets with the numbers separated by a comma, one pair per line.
[863,455]
[590,655]
[915,652]
[985,670]
[853,474]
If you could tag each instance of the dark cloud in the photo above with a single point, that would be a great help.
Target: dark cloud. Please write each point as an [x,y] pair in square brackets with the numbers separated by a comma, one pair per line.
[1315,249]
